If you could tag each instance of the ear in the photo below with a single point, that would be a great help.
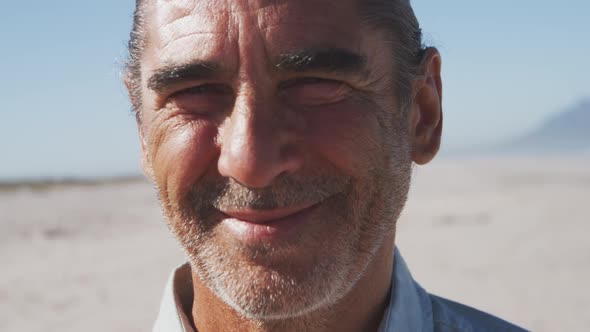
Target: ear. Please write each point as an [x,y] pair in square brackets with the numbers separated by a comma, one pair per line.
[145,160]
[426,120]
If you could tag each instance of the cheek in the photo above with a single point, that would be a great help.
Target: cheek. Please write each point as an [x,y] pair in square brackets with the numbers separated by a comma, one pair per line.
[350,139]
[182,155]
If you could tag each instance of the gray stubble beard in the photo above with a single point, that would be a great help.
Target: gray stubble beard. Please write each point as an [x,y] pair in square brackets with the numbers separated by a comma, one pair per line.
[262,294]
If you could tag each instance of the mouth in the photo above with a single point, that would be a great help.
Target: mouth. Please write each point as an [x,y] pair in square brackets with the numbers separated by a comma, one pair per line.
[264,216]
[254,226]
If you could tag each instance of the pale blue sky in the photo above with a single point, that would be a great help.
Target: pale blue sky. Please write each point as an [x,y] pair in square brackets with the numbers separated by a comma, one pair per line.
[507,65]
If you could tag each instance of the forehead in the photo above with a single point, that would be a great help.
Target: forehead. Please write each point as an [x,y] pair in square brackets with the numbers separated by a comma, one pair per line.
[180,31]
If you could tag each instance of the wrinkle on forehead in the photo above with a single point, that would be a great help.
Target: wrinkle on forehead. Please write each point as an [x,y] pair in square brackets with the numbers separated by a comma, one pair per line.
[170,10]
[169,51]
[190,28]
[173,18]
[180,20]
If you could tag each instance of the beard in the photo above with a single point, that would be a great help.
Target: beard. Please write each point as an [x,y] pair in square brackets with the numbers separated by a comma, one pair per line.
[310,270]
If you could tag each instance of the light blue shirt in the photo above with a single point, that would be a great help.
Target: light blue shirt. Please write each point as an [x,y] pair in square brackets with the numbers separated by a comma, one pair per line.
[411,308]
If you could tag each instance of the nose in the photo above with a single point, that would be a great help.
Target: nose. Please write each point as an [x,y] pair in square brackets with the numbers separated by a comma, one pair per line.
[257,144]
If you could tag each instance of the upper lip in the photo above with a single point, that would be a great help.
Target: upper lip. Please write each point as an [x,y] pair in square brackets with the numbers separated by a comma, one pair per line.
[264,216]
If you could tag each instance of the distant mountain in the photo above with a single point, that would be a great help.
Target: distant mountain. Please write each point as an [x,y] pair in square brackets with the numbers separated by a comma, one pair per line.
[565,133]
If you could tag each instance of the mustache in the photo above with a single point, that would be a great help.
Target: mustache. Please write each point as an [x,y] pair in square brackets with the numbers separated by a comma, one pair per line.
[285,191]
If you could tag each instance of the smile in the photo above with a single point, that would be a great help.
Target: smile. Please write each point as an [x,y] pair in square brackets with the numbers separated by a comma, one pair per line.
[264,216]
[254,226]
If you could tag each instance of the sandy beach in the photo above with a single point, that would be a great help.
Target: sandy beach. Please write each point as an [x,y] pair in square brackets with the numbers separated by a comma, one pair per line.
[508,236]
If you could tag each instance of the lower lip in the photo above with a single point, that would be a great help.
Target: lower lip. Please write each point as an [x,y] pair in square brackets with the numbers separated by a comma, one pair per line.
[280,228]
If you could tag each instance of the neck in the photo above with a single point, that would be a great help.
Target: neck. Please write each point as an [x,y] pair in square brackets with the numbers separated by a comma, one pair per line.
[361,309]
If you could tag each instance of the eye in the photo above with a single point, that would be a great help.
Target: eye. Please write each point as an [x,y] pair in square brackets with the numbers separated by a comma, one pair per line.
[314,91]
[205,98]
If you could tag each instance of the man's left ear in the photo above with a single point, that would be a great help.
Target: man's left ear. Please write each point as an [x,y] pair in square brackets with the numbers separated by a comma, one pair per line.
[426,118]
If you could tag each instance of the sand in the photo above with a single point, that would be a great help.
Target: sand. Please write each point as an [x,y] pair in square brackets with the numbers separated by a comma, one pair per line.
[507,236]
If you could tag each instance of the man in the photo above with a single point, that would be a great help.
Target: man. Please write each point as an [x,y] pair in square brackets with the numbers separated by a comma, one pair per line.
[281,135]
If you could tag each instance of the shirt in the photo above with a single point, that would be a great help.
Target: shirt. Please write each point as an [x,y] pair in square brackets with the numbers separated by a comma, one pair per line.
[410,308]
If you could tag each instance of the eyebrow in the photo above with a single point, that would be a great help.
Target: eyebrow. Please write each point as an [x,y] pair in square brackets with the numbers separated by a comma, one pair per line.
[323,60]
[172,74]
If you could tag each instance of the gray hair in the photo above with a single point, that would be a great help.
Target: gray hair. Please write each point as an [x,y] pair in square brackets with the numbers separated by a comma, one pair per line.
[135,49]
[395,17]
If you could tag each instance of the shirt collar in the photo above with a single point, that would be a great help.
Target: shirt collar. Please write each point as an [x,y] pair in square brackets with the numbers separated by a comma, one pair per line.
[172,317]
[409,306]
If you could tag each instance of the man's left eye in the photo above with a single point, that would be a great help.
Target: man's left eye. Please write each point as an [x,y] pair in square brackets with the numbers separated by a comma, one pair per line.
[209,89]
[314,91]
[205,98]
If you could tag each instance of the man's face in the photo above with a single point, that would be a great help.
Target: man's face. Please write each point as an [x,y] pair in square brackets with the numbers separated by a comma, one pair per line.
[279,150]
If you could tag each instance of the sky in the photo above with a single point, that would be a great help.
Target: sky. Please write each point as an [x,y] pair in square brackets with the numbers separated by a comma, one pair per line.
[507,66]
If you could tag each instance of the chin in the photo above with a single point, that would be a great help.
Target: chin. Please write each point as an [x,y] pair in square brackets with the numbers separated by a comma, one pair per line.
[267,293]
[266,283]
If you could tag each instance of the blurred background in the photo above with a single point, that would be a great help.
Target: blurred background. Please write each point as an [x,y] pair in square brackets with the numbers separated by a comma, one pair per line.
[499,221]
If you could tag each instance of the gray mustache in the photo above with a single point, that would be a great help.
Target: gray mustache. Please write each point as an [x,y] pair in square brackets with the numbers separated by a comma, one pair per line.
[285,191]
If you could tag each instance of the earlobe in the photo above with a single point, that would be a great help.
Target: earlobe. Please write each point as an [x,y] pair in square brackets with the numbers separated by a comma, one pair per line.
[426,114]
